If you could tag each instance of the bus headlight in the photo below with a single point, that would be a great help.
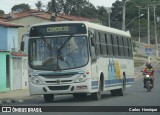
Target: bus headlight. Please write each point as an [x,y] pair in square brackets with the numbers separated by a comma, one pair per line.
[81,78]
[35,80]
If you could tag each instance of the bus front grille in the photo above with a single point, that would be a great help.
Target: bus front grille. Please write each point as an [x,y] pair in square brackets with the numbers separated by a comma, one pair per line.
[62,81]
[58,87]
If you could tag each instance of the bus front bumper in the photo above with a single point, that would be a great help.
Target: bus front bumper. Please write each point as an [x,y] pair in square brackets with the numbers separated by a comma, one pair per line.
[83,87]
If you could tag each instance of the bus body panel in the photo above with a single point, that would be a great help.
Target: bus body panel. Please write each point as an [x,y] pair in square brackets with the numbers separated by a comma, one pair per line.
[112,69]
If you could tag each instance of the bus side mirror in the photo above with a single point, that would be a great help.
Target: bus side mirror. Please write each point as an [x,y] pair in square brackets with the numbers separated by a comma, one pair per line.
[22,44]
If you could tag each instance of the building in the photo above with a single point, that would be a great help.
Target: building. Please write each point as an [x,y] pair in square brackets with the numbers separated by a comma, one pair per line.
[19,71]
[9,36]
[13,65]
[5,71]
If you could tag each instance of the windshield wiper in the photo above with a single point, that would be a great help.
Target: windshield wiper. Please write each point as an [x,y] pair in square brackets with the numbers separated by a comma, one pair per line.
[70,37]
[59,50]
[48,45]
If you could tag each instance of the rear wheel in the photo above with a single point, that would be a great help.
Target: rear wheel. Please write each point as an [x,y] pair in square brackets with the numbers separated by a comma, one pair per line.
[148,86]
[122,90]
[48,98]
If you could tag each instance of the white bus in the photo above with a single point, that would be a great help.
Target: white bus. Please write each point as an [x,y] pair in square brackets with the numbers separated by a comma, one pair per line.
[79,58]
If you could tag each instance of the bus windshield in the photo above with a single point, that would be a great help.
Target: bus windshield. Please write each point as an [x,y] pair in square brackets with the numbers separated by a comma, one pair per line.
[58,53]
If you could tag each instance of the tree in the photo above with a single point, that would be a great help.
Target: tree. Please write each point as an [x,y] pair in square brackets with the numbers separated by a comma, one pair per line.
[74,7]
[89,11]
[20,7]
[39,5]
[48,7]
[102,14]
[2,12]
[116,15]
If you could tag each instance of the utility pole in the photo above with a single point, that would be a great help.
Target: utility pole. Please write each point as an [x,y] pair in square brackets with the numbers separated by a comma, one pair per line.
[148,25]
[155,29]
[139,29]
[54,12]
[124,14]
[109,12]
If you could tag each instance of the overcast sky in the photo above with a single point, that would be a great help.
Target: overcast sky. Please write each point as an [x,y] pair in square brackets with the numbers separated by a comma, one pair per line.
[6,5]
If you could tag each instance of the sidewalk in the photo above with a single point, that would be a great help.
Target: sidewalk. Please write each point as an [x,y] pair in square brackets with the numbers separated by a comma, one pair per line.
[15,96]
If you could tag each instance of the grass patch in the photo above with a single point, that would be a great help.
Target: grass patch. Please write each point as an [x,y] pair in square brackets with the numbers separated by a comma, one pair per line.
[158,59]
[139,55]
[138,63]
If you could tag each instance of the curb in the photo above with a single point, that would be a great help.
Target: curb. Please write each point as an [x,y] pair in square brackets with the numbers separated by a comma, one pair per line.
[10,101]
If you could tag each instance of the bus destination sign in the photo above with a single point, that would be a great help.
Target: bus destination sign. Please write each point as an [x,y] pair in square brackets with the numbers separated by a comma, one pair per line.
[57,29]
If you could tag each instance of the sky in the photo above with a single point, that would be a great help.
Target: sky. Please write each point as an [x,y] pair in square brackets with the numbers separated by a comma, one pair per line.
[6,5]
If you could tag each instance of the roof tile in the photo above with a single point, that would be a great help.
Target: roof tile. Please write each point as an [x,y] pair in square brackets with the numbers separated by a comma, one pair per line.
[8,24]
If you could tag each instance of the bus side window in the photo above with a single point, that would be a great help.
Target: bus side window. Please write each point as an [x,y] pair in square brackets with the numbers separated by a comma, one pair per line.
[111,45]
[103,44]
[125,46]
[97,47]
[93,45]
[120,41]
[115,46]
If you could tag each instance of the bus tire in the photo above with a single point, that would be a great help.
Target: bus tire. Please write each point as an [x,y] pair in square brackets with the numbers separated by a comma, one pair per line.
[97,95]
[122,90]
[48,98]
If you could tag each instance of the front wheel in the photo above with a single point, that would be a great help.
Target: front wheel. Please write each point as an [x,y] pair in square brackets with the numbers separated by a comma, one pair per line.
[97,95]
[122,90]
[48,98]
[148,86]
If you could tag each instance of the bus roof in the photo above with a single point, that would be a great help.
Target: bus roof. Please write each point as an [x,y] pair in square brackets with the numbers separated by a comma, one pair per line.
[91,25]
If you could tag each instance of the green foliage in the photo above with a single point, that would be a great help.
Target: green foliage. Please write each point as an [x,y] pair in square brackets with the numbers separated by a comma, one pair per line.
[39,5]
[48,7]
[2,12]
[20,7]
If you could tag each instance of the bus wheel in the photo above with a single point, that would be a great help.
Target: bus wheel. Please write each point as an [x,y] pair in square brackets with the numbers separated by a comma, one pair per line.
[48,98]
[97,95]
[122,90]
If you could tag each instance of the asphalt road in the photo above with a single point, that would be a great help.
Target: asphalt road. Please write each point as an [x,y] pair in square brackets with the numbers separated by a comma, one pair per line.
[135,96]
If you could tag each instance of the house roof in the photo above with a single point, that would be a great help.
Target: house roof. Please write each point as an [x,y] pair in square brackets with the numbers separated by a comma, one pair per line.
[8,24]
[18,54]
[2,18]
[45,15]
